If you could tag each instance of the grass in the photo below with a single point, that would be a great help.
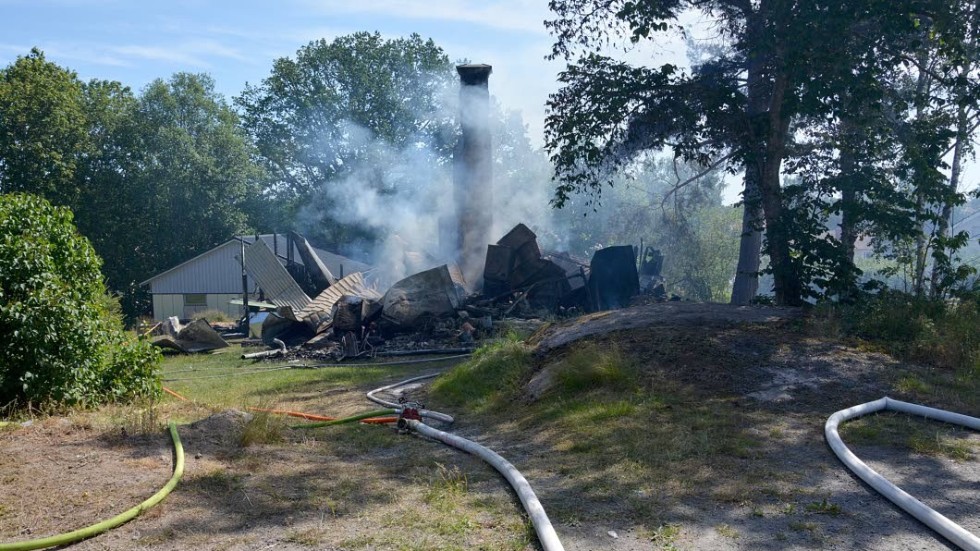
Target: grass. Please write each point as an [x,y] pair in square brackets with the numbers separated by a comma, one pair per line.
[614,428]
[263,428]
[911,433]
[727,531]
[224,380]
[824,507]
[936,333]
[213,316]
[592,366]
[494,374]
[665,535]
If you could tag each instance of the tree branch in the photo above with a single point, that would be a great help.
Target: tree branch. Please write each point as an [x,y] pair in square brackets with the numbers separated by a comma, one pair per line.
[694,178]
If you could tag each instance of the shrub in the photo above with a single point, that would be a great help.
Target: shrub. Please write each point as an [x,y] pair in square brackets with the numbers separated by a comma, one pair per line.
[933,331]
[63,342]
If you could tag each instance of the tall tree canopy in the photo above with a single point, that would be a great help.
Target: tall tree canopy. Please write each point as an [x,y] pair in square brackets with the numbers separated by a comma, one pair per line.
[781,68]
[42,128]
[197,172]
[152,179]
[309,117]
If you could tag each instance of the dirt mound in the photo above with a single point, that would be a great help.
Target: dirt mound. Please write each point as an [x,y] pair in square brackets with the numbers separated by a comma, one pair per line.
[671,314]
[218,434]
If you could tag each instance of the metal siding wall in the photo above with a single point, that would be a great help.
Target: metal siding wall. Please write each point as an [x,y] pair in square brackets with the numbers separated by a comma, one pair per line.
[218,272]
[233,310]
[165,306]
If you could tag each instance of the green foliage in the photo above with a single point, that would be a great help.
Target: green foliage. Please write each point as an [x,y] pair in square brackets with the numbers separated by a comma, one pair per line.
[153,180]
[63,343]
[855,115]
[42,128]
[196,174]
[936,332]
[314,117]
[697,235]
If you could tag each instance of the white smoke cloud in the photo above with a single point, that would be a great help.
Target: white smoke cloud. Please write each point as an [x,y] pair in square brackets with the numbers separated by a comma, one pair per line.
[402,193]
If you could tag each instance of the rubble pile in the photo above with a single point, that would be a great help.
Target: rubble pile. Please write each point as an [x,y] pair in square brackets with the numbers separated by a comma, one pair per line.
[431,311]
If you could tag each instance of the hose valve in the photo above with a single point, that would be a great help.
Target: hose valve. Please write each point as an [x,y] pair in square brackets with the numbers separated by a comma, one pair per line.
[409,410]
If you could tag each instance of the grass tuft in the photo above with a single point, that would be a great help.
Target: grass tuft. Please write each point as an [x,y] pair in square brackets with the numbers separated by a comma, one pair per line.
[263,428]
[587,367]
[824,507]
[494,372]
[213,316]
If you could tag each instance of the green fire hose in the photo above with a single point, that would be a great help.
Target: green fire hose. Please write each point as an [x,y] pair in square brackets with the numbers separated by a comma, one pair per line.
[106,525]
[351,419]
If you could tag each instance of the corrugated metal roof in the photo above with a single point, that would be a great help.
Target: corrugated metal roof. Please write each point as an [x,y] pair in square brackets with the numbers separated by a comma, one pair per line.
[280,287]
[320,309]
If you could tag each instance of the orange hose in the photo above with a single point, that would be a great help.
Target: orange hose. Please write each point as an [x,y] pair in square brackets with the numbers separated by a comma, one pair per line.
[380,420]
[299,414]
[174,394]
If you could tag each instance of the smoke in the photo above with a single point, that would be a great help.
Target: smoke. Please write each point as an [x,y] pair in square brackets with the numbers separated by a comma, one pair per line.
[395,196]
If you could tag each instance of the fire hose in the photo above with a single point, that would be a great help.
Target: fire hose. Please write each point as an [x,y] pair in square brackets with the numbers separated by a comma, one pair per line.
[411,418]
[122,518]
[928,516]
[424,413]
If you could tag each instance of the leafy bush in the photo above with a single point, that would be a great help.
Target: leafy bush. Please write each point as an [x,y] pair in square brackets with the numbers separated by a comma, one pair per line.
[63,341]
[933,331]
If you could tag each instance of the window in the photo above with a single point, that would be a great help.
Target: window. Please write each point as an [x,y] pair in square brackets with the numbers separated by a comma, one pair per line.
[195,299]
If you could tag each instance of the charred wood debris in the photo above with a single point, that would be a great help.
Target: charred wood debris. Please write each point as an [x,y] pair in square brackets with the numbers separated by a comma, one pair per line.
[430,312]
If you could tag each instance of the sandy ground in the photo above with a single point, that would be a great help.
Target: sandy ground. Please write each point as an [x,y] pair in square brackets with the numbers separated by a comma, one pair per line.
[357,492]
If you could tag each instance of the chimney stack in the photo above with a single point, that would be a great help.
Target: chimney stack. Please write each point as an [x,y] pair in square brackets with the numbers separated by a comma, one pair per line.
[473,186]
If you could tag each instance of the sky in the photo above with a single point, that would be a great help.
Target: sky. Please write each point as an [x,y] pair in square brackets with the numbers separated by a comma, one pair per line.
[236,42]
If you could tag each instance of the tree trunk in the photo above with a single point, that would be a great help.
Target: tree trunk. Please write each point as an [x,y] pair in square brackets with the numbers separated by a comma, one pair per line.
[849,213]
[746,284]
[921,242]
[943,226]
[786,283]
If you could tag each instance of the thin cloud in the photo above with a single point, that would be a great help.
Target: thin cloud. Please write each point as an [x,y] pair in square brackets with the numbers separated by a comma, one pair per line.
[510,15]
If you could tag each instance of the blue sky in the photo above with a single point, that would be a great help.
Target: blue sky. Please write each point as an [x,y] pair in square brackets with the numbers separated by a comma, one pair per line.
[236,42]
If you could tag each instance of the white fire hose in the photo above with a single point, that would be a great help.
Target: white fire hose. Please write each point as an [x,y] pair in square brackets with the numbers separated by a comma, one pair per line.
[535,511]
[425,413]
[947,528]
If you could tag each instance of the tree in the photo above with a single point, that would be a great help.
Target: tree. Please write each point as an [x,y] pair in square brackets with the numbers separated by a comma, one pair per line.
[783,64]
[315,117]
[42,128]
[672,207]
[195,173]
[63,343]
